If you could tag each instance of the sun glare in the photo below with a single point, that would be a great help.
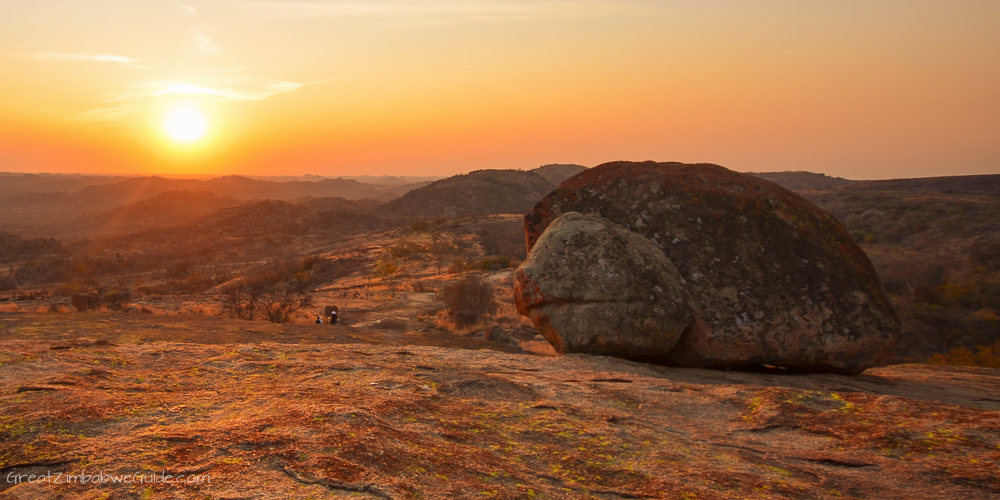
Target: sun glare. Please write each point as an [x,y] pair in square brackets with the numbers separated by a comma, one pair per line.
[185,124]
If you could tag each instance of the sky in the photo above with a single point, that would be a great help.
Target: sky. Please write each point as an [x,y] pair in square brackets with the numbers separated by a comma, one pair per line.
[855,89]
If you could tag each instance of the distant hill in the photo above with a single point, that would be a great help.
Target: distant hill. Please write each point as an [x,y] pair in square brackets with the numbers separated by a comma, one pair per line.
[800,181]
[273,218]
[233,186]
[377,180]
[16,183]
[394,180]
[481,192]
[163,210]
[71,213]
[982,185]
[555,173]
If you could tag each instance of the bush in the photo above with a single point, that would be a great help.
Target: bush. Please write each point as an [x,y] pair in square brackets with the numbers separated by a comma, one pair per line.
[504,239]
[986,356]
[275,302]
[459,265]
[496,264]
[386,265]
[468,300]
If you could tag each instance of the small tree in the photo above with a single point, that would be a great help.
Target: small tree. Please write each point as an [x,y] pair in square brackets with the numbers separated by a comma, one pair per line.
[243,299]
[273,301]
[468,300]
[439,250]
[277,303]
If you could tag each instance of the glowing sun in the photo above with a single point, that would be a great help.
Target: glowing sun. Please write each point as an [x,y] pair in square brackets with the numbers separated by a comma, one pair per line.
[185,124]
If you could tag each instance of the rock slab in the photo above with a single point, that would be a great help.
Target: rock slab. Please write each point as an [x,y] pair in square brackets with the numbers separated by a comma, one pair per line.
[591,286]
[773,279]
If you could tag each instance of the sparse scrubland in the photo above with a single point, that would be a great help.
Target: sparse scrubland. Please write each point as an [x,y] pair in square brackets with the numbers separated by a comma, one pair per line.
[937,252]
[934,245]
[432,386]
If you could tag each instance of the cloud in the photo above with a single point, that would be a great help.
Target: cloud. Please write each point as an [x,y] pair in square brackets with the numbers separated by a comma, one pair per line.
[203,43]
[125,105]
[187,10]
[467,10]
[182,88]
[57,56]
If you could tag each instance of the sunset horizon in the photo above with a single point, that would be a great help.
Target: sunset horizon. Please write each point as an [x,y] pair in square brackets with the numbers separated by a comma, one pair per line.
[439,87]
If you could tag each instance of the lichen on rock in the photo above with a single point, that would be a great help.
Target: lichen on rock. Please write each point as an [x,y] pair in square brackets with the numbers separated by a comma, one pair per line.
[773,278]
[592,286]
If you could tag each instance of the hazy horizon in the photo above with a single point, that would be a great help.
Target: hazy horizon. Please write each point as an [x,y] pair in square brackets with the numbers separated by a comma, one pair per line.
[859,90]
[376,176]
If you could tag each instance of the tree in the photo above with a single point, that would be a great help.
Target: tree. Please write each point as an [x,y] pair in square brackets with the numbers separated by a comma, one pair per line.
[243,299]
[273,301]
[277,303]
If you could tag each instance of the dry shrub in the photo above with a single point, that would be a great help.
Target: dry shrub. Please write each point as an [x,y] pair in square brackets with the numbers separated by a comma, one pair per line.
[468,300]
[985,356]
[9,307]
[459,265]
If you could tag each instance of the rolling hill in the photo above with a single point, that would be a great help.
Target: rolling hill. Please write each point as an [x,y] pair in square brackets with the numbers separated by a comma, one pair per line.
[798,181]
[555,173]
[482,192]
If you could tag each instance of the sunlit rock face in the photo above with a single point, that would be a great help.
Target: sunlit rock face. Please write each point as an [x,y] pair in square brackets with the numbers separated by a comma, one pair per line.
[592,286]
[772,278]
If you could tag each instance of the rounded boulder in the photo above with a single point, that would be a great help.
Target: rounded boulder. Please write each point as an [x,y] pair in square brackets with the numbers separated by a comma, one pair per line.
[591,286]
[773,278]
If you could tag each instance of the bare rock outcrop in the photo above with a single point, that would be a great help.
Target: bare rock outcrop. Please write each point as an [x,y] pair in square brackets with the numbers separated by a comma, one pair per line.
[592,286]
[773,279]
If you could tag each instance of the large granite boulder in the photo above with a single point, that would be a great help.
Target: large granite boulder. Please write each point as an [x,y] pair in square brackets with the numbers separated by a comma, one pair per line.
[592,286]
[773,279]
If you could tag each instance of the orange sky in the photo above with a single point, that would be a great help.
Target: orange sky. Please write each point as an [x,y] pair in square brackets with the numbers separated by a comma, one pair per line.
[857,89]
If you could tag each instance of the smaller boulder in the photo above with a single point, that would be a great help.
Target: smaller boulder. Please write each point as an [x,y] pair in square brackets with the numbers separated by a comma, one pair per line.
[499,335]
[592,286]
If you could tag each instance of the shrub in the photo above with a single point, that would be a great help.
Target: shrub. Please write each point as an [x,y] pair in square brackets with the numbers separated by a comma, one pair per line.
[496,264]
[278,303]
[504,239]
[459,265]
[468,300]
[275,302]
[386,265]
[986,356]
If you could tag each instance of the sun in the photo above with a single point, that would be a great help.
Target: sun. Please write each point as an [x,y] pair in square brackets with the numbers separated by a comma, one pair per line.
[185,124]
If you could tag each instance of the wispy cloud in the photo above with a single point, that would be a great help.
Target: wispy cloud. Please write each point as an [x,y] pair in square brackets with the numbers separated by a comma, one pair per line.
[125,105]
[203,43]
[187,10]
[468,10]
[212,93]
[62,56]
[200,33]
